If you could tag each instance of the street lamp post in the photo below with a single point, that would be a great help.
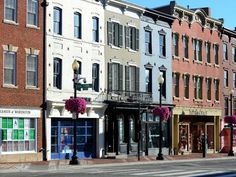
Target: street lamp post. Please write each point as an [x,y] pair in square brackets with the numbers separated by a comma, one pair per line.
[75,67]
[160,155]
[231,152]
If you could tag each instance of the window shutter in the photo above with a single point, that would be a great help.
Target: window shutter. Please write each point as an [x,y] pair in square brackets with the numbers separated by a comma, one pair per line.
[137,39]
[127,36]
[137,80]
[120,77]
[109,33]
[127,79]
[120,35]
[109,77]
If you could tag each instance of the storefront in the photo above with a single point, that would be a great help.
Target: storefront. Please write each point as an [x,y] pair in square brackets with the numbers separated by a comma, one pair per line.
[191,125]
[19,134]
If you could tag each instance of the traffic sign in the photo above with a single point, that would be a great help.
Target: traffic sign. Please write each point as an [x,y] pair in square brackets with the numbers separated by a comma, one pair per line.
[83,86]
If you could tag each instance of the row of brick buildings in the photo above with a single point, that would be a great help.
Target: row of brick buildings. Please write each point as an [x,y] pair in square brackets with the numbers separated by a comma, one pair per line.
[122,48]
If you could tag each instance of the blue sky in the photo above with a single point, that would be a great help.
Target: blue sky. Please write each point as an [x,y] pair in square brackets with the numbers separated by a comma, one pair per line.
[219,8]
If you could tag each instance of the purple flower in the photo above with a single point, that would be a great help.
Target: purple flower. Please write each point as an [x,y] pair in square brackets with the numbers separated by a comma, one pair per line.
[163,112]
[76,105]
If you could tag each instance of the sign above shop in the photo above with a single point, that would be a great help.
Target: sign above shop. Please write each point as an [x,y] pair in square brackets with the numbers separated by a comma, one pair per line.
[10,112]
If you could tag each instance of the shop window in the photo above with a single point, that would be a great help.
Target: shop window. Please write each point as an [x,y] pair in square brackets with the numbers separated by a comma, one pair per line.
[18,134]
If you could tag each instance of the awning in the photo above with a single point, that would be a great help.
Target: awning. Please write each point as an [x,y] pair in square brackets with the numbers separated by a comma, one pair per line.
[230,119]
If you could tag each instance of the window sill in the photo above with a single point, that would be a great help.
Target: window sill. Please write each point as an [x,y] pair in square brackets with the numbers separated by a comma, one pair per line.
[186,99]
[10,22]
[148,54]
[161,56]
[115,47]
[32,26]
[131,50]
[175,57]
[176,98]
[186,59]
[198,100]
[10,86]
[217,102]
[208,64]
[216,65]
[197,62]
[32,88]
[208,101]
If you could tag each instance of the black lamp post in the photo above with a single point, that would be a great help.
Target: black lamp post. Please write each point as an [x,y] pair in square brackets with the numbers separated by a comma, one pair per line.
[231,152]
[75,67]
[160,155]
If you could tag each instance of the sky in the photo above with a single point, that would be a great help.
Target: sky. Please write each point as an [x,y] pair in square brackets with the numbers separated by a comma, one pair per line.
[225,9]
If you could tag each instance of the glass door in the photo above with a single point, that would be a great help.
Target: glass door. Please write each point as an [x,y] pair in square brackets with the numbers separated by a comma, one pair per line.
[210,137]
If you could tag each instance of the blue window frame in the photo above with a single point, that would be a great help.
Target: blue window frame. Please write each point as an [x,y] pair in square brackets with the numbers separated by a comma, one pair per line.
[62,138]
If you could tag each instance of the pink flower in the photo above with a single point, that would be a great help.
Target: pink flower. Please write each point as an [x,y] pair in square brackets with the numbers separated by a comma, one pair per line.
[76,105]
[163,112]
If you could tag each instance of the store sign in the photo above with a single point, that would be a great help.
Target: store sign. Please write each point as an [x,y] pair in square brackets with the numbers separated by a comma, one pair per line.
[7,112]
[197,112]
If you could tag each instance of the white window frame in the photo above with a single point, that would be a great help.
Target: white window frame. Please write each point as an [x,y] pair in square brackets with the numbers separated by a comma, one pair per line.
[13,7]
[35,71]
[32,12]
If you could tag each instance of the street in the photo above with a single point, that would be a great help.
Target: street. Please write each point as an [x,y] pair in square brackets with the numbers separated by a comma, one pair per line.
[188,168]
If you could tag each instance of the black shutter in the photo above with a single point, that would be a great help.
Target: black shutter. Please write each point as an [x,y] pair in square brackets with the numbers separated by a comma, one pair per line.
[120,77]
[137,40]
[137,79]
[109,77]
[109,33]
[127,79]
[120,35]
[127,36]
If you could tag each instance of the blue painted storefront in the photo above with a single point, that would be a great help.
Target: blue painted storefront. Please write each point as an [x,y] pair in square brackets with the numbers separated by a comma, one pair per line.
[62,138]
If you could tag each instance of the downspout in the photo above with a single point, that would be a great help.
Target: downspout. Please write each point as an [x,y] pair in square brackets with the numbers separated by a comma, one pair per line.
[44,4]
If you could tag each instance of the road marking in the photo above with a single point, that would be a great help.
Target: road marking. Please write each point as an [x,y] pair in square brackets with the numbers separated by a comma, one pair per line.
[208,173]
[155,172]
[180,173]
[111,171]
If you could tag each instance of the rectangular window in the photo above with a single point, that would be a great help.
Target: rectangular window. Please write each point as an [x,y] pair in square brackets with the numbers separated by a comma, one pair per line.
[32,70]
[115,34]
[226,77]
[95,77]
[234,79]
[10,10]
[57,73]
[186,86]
[148,80]
[208,52]
[163,72]
[185,44]
[176,84]
[9,68]
[18,134]
[197,49]
[32,12]
[162,43]
[226,106]
[115,77]
[216,54]
[175,44]
[77,25]
[95,30]
[57,20]
[131,78]
[198,87]
[132,38]
[208,82]
[225,50]
[217,89]
[234,53]
[148,42]
[234,106]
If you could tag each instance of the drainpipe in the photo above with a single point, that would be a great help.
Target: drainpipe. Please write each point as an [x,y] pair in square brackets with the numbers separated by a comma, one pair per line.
[44,4]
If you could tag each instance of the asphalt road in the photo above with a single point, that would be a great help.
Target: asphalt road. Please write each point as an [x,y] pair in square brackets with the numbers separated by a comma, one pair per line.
[206,167]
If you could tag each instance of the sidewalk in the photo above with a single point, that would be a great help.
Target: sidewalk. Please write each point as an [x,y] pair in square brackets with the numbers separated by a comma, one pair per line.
[56,164]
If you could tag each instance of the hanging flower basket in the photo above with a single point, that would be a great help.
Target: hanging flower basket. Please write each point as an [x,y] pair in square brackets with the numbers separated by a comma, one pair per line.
[230,119]
[76,105]
[163,112]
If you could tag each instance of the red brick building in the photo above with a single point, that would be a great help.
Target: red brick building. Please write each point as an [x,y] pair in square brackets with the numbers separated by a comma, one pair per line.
[228,77]
[196,78]
[21,80]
